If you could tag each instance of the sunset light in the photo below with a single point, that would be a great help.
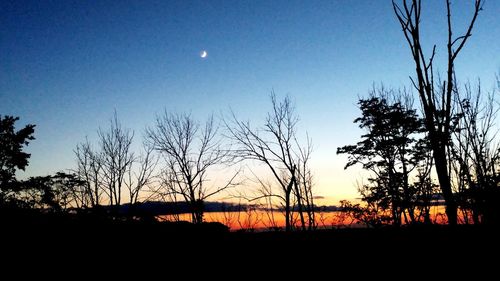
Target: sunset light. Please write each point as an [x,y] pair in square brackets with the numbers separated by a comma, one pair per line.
[270,127]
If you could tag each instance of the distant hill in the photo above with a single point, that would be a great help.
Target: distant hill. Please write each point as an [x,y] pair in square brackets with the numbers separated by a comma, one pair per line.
[156,208]
[169,208]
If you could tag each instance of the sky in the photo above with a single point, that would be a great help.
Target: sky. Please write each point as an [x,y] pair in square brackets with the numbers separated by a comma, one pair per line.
[67,65]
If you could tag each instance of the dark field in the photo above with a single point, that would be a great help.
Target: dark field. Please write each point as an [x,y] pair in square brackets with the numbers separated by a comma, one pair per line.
[92,245]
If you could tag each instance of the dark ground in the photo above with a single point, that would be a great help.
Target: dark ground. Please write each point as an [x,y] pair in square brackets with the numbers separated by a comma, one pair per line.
[86,247]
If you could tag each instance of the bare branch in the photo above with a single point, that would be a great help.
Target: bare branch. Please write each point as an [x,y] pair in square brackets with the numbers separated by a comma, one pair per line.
[276,146]
[190,151]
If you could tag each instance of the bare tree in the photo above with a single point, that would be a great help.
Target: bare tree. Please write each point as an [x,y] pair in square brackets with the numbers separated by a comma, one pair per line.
[265,197]
[116,157]
[477,156]
[109,168]
[305,183]
[229,214]
[276,146]
[323,218]
[436,98]
[189,151]
[249,217]
[269,208]
[89,168]
[424,187]
[137,180]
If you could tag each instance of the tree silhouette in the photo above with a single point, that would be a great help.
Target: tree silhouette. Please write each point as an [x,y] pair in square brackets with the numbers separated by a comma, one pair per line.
[136,180]
[389,151]
[12,156]
[55,193]
[89,169]
[477,156]
[110,168]
[117,158]
[189,151]
[104,169]
[276,145]
[371,214]
[436,97]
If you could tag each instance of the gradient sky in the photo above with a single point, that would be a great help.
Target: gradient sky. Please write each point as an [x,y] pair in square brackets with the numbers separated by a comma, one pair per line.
[66,65]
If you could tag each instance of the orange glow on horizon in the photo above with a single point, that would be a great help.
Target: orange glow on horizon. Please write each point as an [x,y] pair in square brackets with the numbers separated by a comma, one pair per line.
[259,220]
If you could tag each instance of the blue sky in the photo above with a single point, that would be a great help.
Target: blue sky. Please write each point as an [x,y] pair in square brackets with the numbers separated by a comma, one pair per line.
[66,65]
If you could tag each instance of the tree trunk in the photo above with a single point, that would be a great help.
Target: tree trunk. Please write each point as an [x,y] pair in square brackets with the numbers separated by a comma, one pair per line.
[287,211]
[299,203]
[444,183]
[393,193]
[408,204]
[197,211]
[310,210]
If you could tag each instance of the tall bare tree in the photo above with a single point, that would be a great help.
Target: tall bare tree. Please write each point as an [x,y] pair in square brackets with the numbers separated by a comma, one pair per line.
[142,176]
[305,183]
[436,98]
[116,157]
[110,167]
[276,146]
[477,155]
[189,151]
[89,169]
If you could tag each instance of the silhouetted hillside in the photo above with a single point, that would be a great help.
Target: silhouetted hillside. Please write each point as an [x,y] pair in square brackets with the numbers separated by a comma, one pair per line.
[168,208]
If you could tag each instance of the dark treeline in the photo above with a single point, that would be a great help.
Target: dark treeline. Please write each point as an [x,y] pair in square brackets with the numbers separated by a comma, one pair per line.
[178,156]
[455,136]
[440,150]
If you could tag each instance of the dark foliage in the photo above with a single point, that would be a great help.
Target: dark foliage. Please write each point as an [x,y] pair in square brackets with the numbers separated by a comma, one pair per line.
[390,149]
[12,156]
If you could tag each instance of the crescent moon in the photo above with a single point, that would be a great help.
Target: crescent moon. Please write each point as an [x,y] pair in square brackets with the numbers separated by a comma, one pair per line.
[203,54]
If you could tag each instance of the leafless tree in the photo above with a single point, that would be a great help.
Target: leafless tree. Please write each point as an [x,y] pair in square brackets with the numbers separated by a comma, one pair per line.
[341,219]
[229,214]
[249,217]
[436,98]
[189,151]
[89,169]
[425,189]
[137,180]
[117,158]
[109,168]
[477,154]
[323,218]
[271,212]
[264,197]
[276,145]
[304,191]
